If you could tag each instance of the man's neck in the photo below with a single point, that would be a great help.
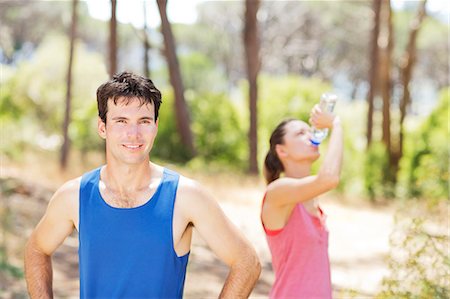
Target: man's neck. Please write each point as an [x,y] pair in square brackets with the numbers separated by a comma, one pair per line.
[125,178]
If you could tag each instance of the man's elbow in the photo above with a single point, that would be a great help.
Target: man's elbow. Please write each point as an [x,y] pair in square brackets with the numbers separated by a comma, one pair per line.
[33,251]
[29,249]
[256,265]
[252,263]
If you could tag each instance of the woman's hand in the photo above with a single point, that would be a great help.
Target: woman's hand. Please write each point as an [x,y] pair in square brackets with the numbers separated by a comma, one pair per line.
[321,119]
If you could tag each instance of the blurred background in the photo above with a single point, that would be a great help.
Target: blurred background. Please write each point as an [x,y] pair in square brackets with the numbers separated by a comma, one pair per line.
[229,72]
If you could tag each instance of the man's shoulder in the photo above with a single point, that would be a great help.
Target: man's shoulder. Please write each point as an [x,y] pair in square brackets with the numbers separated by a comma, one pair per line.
[191,193]
[189,190]
[185,184]
[189,185]
[70,187]
[65,200]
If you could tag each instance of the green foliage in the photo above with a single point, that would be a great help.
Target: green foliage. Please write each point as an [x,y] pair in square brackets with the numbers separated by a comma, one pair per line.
[9,109]
[419,263]
[425,164]
[353,117]
[7,187]
[375,169]
[83,129]
[423,172]
[287,96]
[33,97]
[168,145]
[216,126]
[280,98]
[219,123]
[7,268]
[218,129]
[200,74]
[41,17]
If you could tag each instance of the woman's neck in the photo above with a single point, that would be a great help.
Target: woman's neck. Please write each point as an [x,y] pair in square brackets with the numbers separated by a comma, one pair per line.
[297,170]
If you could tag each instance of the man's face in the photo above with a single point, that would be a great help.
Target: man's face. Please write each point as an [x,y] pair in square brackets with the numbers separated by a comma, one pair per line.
[130,131]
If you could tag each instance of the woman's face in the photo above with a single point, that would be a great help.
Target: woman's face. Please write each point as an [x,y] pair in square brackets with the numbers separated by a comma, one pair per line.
[297,145]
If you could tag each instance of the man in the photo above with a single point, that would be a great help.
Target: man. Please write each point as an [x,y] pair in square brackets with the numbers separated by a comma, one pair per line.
[134,218]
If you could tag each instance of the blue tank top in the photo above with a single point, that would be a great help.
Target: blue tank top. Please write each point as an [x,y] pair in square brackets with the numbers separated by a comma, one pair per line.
[128,252]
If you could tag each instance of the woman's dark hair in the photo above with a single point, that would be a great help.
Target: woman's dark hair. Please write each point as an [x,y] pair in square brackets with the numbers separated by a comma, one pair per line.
[126,85]
[272,164]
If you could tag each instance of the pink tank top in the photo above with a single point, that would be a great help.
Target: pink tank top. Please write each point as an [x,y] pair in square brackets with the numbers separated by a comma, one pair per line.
[300,256]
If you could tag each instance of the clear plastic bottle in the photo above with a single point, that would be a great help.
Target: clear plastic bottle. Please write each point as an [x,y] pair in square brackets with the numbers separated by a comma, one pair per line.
[327,103]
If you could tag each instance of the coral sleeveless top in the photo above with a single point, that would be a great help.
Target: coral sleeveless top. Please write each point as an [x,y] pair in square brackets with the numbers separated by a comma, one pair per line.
[128,252]
[300,256]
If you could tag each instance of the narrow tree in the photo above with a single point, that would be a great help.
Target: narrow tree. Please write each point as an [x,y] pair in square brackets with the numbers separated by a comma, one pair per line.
[253,64]
[67,116]
[385,43]
[113,39]
[407,63]
[408,60]
[373,73]
[146,43]
[181,110]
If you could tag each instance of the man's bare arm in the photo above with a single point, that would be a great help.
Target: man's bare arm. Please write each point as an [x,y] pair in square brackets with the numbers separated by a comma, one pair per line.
[54,227]
[38,272]
[243,275]
[224,239]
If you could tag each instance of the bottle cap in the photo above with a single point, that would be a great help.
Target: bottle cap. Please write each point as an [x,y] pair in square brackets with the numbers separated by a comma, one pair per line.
[315,143]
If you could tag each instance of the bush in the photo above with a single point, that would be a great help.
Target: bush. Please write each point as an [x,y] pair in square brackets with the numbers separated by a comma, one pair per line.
[168,144]
[32,100]
[424,171]
[280,98]
[376,166]
[419,263]
[218,130]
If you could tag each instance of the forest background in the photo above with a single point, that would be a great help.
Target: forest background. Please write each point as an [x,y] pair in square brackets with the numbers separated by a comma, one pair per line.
[228,77]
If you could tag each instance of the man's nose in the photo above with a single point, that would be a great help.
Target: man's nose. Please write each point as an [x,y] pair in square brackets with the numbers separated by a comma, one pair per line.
[133,130]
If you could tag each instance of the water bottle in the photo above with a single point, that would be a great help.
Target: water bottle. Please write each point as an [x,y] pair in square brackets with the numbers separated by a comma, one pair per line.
[327,103]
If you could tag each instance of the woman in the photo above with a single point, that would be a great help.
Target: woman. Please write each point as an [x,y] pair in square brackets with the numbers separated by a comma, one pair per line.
[291,216]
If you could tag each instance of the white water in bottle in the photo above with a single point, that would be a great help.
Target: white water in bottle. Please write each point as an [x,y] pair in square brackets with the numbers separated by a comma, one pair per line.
[327,103]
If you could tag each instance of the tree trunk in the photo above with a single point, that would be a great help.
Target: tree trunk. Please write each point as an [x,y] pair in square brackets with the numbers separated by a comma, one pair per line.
[181,110]
[386,43]
[406,68]
[373,74]
[146,44]
[253,64]
[67,116]
[113,40]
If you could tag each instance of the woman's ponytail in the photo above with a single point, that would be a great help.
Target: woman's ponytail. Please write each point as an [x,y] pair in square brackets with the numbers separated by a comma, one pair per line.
[272,167]
[272,164]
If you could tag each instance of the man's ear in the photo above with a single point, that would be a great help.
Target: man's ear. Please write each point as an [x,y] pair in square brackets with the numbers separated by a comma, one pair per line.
[281,150]
[101,128]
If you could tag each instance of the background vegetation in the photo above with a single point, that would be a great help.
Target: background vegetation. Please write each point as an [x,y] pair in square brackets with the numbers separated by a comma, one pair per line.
[305,48]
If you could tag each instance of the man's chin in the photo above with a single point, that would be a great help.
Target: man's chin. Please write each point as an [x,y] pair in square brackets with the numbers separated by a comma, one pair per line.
[134,161]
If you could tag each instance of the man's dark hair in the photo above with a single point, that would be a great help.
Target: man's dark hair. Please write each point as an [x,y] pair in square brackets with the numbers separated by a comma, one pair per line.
[126,85]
